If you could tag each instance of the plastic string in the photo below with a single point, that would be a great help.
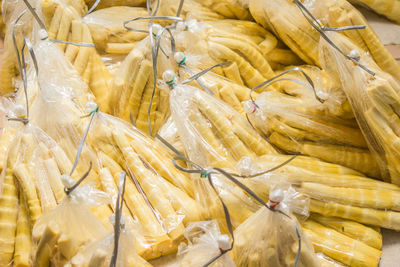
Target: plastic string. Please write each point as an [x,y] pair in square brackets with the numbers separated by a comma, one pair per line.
[118,215]
[319,27]
[22,69]
[182,64]
[201,73]
[82,142]
[275,79]
[207,173]
[68,190]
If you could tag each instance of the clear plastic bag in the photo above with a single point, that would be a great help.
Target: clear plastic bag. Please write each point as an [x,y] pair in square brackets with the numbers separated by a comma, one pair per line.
[339,13]
[228,8]
[204,242]
[191,9]
[100,252]
[270,238]
[373,99]
[62,232]
[286,20]
[12,10]
[158,196]
[333,190]
[133,85]
[340,247]
[32,169]
[63,21]
[300,125]
[108,31]
[213,133]
[392,13]
[243,43]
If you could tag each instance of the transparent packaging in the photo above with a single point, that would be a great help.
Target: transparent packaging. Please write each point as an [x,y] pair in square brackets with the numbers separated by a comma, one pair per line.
[271,238]
[63,231]
[159,197]
[132,88]
[204,242]
[373,99]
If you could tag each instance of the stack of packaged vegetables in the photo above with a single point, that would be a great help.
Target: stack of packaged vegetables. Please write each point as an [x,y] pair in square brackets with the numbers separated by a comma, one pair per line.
[220,133]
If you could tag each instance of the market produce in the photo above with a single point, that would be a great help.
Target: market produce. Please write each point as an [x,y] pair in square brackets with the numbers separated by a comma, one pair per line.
[132,88]
[134,132]
[300,125]
[270,238]
[373,99]
[108,31]
[204,242]
[387,8]
[286,20]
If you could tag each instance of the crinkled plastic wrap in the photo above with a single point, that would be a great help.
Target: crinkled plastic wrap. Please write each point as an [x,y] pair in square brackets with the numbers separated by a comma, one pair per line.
[228,8]
[12,9]
[158,196]
[132,87]
[108,32]
[373,98]
[333,190]
[270,238]
[340,247]
[191,9]
[63,21]
[340,13]
[286,20]
[300,125]
[31,185]
[100,252]
[213,133]
[336,237]
[63,231]
[389,9]
[204,242]
[243,43]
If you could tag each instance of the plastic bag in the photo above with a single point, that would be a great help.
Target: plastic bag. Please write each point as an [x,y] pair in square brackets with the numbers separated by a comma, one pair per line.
[339,246]
[392,13]
[299,125]
[158,196]
[12,10]
[339,13]
[32,168]
[133,85]
[191,9]
[100,252]
[63,231]
[63,20]
[270,238]
[213,133]
[204,242]
[219,41]
[228,8]
[333,190]
[108,31]
[286,20]
[373,99]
